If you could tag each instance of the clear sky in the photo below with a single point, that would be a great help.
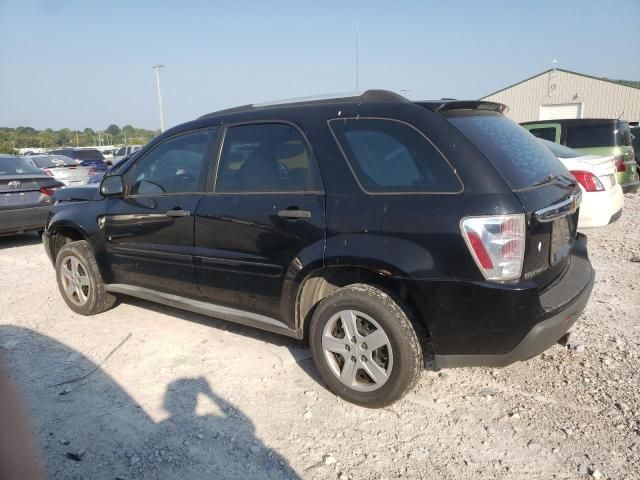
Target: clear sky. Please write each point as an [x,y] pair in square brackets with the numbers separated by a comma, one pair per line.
[87,63]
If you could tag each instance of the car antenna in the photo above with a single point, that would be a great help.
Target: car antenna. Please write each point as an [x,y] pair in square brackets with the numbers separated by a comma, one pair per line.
[620,116]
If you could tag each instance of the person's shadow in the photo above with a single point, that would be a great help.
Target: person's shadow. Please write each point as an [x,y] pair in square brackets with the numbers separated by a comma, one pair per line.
[92,428]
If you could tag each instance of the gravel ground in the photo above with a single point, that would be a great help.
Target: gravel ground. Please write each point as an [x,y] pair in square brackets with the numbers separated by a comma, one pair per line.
[186,396]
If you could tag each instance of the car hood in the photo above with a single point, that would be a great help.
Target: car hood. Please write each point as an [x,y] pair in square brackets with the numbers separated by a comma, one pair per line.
[83,193]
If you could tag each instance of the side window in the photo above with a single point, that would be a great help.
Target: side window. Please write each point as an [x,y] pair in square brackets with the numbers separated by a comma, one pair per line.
[546,133]
[175,166]
[388,156]
[267,157]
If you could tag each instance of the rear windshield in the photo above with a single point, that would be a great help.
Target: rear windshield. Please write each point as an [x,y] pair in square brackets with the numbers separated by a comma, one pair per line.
[88,155]
[519,156]
[610,134]
[388,156]
[16,166]
[52,161]
[561,151]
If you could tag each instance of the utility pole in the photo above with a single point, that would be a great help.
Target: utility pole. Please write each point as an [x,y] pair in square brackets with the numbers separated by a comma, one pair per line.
[77,144]
[357,53]
[157,69]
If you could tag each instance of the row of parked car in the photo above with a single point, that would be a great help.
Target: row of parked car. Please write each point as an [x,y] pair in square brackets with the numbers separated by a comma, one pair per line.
[27,183]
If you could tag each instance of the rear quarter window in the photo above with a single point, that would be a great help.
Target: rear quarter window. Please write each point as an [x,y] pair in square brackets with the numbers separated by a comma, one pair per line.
[390,156]
[519,156]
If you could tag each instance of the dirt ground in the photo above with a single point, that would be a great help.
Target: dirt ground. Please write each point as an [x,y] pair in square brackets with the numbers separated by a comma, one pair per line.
[186,396]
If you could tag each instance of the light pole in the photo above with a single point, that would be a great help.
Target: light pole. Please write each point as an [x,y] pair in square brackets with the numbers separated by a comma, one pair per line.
[157,69]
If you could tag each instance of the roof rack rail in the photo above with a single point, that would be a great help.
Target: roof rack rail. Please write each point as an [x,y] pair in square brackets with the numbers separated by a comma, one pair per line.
[366,96]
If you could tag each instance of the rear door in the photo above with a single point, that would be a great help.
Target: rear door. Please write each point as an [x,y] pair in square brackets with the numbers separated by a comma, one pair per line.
[150,231]
[264,219]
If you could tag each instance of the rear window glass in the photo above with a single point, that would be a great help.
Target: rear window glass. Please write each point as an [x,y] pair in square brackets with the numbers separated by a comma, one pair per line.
[560,150]
[388,156]
[519,156]
[598,135]
[88,155]
[16,166]
[547,133]
[52,161]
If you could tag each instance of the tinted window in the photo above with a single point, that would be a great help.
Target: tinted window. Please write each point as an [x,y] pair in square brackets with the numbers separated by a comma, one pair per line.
[16,166]
[122,151]
[598,135]
[546,133]
[561,151]
[52,161]
[88,155]
[391,156]
[175,166]
[270,157]
[514,152]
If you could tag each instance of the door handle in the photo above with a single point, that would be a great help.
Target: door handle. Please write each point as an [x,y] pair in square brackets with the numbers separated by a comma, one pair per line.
[294,214]
[177,212]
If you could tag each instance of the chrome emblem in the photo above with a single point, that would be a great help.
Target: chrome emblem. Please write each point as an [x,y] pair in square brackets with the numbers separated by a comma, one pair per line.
[14,184]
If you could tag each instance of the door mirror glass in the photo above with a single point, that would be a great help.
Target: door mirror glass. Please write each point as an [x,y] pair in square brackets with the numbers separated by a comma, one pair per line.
[112,186]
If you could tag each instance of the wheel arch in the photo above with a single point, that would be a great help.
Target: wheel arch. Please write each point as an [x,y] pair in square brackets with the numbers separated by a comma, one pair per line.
[321,282]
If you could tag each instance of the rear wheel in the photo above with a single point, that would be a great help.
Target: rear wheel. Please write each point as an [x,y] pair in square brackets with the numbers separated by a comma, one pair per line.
[365,346]
[79,280]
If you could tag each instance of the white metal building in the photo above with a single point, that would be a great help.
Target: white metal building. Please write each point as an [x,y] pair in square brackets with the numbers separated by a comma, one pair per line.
[559,93]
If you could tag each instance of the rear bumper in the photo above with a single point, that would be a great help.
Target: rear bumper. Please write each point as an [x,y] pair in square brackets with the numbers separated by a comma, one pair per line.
[631,187]
[541,337]
[20,220]
[491,324]
[599,209]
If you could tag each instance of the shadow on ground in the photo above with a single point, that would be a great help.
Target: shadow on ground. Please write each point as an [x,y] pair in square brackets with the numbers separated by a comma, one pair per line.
[93,429]
[13,241]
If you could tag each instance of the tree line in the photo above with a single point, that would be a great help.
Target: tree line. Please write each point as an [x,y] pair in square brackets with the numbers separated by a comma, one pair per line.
[12,139]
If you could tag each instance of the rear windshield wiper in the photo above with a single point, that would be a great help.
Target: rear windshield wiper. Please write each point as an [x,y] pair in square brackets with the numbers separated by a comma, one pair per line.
[547,179]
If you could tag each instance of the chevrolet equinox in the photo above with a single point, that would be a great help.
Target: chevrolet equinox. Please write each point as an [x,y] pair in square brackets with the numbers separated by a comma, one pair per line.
[376,228]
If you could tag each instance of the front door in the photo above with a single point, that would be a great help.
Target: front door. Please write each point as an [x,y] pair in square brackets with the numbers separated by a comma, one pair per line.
[150,231]
[264,219]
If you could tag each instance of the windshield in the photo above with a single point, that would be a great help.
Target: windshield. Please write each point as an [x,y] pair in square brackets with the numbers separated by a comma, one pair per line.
[16,166]
[608,134]
[513,151]
[53,161]
[560,151]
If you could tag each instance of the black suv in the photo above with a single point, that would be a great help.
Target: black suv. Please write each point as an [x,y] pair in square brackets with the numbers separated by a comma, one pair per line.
[376,228]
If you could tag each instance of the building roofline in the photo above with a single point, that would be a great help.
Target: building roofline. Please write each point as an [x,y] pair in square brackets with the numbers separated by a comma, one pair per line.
[559,70]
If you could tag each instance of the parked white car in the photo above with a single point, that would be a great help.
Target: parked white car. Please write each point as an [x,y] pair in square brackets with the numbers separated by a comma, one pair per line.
[124,152]
[63,169]
[602,197]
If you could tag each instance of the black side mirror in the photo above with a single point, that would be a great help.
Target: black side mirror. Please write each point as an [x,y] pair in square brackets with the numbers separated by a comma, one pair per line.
[112,186]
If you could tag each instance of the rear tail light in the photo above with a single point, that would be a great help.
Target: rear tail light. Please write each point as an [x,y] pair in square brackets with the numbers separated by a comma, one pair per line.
[588,180]
[496,244]
[50,190]
[620,165]
[92,171]
[48,172]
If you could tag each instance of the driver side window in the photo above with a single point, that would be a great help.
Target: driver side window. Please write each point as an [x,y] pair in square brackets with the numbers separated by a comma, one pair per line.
[175,166]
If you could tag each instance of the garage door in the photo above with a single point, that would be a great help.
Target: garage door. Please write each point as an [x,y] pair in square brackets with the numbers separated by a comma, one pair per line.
[567,110]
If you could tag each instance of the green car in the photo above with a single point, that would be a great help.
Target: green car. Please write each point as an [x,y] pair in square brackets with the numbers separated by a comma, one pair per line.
[594,136]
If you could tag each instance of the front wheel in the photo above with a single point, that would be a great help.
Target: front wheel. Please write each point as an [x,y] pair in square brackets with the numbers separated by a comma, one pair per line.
[364,345]
[79,280]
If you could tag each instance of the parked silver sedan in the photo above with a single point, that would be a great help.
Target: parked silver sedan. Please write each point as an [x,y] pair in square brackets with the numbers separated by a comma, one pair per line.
[63,169]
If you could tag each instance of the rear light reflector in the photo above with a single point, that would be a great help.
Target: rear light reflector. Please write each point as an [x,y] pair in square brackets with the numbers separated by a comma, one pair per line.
[588,180]
[496,244]
[620,165]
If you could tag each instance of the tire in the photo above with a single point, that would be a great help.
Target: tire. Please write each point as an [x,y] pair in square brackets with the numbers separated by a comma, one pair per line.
[368,375]
[79,280]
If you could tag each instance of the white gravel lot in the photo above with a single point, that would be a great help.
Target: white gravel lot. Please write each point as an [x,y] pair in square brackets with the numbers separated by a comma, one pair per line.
[190,397]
